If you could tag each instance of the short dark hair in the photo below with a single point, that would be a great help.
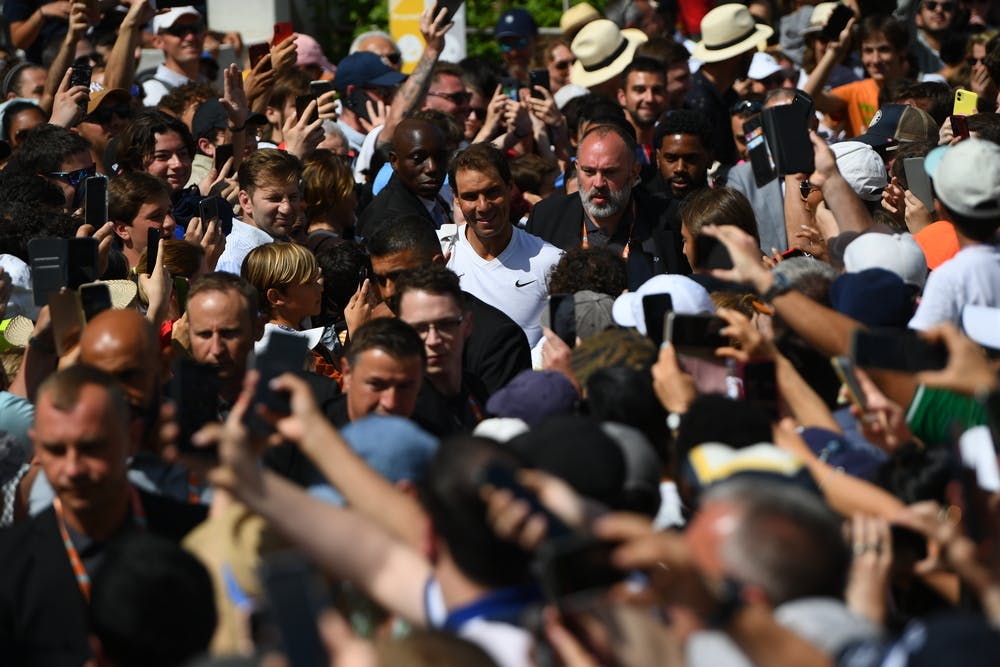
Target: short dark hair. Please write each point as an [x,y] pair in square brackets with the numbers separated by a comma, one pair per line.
[129,191]
[221,281]
[644,64]
[683,121]
[28,187]
[718,206]
[152,603]
[894,31]
[180,98]
[407,232]
[20,222]
[63,389]
[45,148]
[431,278]
[289,85]
[978,229]
[268,164]
[340,264]
[137,142]
[668,51]
[11,112]
[389,334]
[597,268]
[481,157]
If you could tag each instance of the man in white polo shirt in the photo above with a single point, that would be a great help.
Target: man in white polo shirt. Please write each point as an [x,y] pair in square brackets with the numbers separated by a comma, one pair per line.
[504,266]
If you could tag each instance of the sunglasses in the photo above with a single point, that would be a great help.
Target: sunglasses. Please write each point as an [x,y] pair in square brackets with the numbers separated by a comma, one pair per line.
[184,29]
[514,45]
[459,99]
[104,115]
[974,61]
[943,6]
[446,328]
[75,177]
[746,107]
[563,64]
[392,58]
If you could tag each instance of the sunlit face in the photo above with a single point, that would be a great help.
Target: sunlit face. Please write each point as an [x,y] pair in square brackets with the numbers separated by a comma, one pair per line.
[936,15]
[606,172]
[644,97]
[273,207]
[881,60]
[484,200]
[22,123]
[379,383]
[448,94]
[386,269]
[30,84]
[683,162]
[153,214]
[442,326]
[221,332]
[301,301]
[561,59]
[170,160]
[182,43]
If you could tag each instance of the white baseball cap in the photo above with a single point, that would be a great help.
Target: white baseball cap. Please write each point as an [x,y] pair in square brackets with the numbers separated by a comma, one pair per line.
[168,18]
[899,253]
[689,298]
[862,168]
[967,177]
[982,324]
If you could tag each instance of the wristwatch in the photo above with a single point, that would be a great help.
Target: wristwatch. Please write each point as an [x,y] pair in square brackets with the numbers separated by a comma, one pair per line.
[781,285]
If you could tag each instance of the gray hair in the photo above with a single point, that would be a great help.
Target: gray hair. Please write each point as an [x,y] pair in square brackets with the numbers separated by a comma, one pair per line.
[356,44]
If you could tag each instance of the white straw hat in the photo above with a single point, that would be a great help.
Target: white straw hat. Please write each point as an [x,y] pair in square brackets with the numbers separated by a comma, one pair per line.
[727,31]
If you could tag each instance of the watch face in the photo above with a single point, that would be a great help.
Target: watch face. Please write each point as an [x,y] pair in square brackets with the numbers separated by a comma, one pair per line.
[674,421]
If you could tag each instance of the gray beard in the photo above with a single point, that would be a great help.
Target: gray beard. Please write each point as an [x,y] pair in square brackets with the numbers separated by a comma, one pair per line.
[616,203]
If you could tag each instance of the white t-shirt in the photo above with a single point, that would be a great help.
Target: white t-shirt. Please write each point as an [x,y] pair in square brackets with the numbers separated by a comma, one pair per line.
[239,243]
[972,276]
[515,281]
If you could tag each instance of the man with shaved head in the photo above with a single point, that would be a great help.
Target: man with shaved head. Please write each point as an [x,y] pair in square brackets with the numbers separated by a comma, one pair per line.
[419,158]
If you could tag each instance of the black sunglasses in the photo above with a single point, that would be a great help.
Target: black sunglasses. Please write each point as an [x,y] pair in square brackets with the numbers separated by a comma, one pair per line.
[746,106]
[394,58]
[460,99]
[184,29]
[75,177]
[945,6]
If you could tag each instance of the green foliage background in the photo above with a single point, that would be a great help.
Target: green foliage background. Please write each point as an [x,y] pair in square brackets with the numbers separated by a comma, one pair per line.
[335,22]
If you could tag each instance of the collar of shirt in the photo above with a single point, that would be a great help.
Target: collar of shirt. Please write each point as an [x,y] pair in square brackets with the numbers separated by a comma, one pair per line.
[169,76]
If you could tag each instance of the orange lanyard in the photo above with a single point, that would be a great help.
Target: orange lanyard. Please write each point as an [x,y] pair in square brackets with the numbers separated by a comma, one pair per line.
[194,487]
[585,240]
[82,578]
[477,412]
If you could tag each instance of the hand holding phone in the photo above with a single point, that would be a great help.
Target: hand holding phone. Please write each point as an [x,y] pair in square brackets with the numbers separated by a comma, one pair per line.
[539,77]
[223,153]
[153,236]
[95,203]
[835,25]
[282,31]
[654,309]
[451,6]
[80,76]
[257,53]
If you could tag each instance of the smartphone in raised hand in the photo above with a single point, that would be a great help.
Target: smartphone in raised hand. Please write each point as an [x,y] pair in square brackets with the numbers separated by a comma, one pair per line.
[283,31]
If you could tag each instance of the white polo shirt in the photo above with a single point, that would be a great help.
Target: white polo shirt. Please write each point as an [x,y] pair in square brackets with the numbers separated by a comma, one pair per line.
[515,281]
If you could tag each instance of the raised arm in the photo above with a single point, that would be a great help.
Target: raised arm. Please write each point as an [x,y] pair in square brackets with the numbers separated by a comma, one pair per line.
[67,51]
[816,83]
[120,69]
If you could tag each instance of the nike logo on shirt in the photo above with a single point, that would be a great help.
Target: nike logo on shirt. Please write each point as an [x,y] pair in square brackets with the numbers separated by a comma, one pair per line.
[518,283]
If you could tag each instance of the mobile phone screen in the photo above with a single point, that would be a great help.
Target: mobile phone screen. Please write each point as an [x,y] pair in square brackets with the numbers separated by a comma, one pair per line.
[282,31]
[153,236]
[95,206]
[894,350]
[222,154]
[696,331]
[654,308]
[95,299]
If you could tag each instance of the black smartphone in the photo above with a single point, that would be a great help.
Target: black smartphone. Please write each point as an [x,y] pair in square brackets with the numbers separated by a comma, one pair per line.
[695,332]
[194,390]
[794,252]
[208,210]
[760,154]
[283,353]
[47,259]
[362,276]
[282,31]
[836,23]
[562,317]
[710,253]
[654,308]
[760,386]
[502,476]
[317,88]
[357,101]
[918,182]
[80,76]
[786,128]
[960,126]
[844,368]
[538,77]
[222,154]
[576,565]
[302,103]
[95,299]
[82,264]
[511,88]
[450,5]
[153,236]
[257,52]
[95,201]
[896,350]
[295,599]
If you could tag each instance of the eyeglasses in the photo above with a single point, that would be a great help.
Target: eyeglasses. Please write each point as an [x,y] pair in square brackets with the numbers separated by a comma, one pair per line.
[943,6]
[514,44]
[746,107]
[445,328]
[392,58]
[75,177]
[479,113]
[104,115]
[184,29]
[563,64]
[974,61]
[806,188]
[458,99]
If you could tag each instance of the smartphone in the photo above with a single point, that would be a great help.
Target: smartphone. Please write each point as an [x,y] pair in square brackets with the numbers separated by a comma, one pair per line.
[966,103]
[357,101]
[208,209]
[317,88]
[836,23]
[794,252]
[283,353]
[503,476]
[194,390]
[576,565]
[95,298]
[511,88]
[760,386]
[47,259]
[844,368]
[960,126]
[282,31]
[80,76]
[81,261]
[562,317]
[95,201]
[538,77]
[222,154]
[896,350]
[362,276]
[695,332]
[257,52]
[295,598]
[302,103]
[991,403]
[67,319]
[654,308]
[450,5]
[760,154]
[786,129]
[918,182]
[153,236]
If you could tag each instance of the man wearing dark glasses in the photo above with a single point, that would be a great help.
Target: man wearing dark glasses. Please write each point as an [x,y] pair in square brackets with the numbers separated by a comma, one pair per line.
[108,111]
[61,156]
[516,31]
[179,33]
[934,19]
[381,44]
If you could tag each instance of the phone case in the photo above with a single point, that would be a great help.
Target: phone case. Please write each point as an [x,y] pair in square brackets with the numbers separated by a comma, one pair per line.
[47,258]
[966,102]
[918,182]
[760,155]
[786,129]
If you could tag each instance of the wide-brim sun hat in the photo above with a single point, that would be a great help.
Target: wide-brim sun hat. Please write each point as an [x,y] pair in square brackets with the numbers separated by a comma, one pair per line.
[602,52]
[728,31]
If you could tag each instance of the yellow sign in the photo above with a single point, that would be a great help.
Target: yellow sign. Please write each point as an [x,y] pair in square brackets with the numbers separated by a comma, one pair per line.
[404,25]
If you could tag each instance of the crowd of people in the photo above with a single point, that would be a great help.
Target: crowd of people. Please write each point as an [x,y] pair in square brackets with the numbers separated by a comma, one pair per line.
[535,360]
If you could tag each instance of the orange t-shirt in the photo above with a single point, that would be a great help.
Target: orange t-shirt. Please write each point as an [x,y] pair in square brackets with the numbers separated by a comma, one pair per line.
[862,103]
[938,241]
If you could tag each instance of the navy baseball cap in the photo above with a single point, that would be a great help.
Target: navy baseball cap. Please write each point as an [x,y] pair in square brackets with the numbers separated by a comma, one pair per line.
[516,23]
[365,69]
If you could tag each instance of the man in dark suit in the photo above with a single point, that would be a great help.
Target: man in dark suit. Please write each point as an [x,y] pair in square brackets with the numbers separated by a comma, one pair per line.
[83,436]
[610,211]
[419,158]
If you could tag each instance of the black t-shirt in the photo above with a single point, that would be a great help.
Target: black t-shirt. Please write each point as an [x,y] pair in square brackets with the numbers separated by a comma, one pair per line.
[52,30]
[705,98]
[497,349]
